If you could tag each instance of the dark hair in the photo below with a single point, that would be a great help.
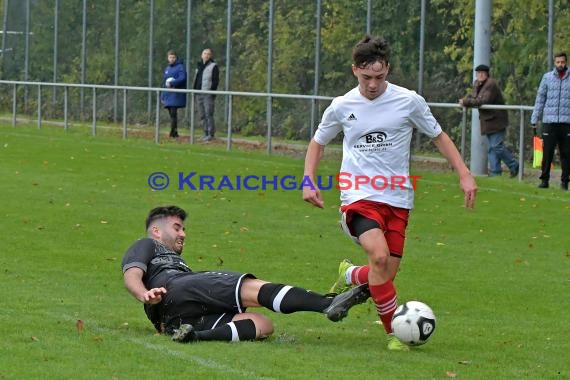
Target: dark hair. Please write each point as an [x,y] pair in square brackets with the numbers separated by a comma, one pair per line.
[370,50]
[561,54]
[172,52]
[482,68]
[164,212]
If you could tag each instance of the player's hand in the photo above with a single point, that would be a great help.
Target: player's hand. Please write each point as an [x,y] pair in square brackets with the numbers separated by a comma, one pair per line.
[153,296]
[469,187]
[313,196]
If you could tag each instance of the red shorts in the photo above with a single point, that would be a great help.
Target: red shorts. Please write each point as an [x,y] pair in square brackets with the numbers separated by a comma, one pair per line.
[392,220]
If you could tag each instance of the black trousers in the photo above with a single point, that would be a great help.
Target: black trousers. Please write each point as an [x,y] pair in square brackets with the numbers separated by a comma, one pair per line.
[173,112]
[554,134]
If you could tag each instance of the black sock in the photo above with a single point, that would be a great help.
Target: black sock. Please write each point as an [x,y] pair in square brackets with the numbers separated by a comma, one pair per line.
[288,299]
[244,329]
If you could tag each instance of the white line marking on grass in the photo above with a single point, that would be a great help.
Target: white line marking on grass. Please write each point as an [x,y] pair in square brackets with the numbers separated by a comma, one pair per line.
[208,363]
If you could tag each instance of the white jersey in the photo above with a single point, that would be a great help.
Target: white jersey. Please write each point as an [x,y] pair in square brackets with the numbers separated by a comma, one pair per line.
[376,145]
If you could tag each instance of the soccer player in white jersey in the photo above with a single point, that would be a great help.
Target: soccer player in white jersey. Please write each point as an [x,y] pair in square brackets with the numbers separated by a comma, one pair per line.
[377,119]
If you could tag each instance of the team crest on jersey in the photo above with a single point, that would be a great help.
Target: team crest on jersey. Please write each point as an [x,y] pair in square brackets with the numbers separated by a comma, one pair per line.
[373,142]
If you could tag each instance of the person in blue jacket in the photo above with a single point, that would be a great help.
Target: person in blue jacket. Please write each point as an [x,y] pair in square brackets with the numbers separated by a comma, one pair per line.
[553,104]
[174,77]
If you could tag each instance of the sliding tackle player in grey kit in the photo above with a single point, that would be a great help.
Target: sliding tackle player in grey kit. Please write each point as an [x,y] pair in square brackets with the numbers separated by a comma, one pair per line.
[211,305]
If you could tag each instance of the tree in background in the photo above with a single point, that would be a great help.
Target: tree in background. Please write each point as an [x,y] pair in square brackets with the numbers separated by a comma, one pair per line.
[518,47]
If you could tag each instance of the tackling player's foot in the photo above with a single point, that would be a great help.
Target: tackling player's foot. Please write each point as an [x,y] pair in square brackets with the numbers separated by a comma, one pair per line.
[340,286]
[394,344]
[338,309]
[185,334]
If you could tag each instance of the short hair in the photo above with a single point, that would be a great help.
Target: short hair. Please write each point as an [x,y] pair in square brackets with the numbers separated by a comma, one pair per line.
[561,54]
[164,212]
[172,52]
[370,50]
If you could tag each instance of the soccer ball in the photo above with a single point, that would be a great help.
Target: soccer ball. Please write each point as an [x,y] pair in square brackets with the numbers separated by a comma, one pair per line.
[413,323]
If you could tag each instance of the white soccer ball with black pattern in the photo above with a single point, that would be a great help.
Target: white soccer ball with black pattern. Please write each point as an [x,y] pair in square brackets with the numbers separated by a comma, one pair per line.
[413,323]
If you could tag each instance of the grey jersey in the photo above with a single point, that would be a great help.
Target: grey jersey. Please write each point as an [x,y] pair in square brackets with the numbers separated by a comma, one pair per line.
[158,263]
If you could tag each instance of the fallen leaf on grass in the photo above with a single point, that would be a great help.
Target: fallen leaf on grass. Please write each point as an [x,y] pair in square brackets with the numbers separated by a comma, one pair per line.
[451,374]
[79,325]
[466,362]
[34,339]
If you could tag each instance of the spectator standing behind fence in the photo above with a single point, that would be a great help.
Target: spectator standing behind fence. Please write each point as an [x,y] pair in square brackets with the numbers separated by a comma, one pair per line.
[493,122]
[553,104]
[174,77]
[207,78]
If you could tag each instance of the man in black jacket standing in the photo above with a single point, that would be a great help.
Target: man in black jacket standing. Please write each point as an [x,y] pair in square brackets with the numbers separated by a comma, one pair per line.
[207,78]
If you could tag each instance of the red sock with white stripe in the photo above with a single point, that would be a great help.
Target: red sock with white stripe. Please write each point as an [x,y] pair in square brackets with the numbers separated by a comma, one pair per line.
[358,274]
[384,297]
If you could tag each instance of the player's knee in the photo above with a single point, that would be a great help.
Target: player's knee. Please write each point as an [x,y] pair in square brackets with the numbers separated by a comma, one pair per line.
[263,326]
[379,263]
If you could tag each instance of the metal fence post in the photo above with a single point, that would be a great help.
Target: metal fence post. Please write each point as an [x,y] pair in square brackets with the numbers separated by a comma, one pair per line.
[463,131]
[157,118]
[14,99]
[229,142]
[192,118]
[94,125]
[65,101]
[521,145]
[124,113]
[39,106]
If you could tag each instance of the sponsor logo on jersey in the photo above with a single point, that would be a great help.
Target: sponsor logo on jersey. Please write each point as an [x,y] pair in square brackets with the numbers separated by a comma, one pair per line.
[373,142]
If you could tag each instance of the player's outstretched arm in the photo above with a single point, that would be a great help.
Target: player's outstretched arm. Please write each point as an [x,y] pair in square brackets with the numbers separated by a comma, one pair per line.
[466,180]
[134,284]
[312,194]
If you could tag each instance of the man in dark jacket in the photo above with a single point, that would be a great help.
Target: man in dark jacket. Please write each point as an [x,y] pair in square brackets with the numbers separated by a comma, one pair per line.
[493,122]
[174,77]
[207,78]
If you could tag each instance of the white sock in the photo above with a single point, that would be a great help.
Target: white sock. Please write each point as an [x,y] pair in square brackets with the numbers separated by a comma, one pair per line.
[348,275]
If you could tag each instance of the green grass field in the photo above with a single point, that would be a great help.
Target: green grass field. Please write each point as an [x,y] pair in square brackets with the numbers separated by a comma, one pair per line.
[497,277]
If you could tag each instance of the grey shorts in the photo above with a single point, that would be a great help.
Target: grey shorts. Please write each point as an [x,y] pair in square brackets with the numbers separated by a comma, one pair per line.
[203,299]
